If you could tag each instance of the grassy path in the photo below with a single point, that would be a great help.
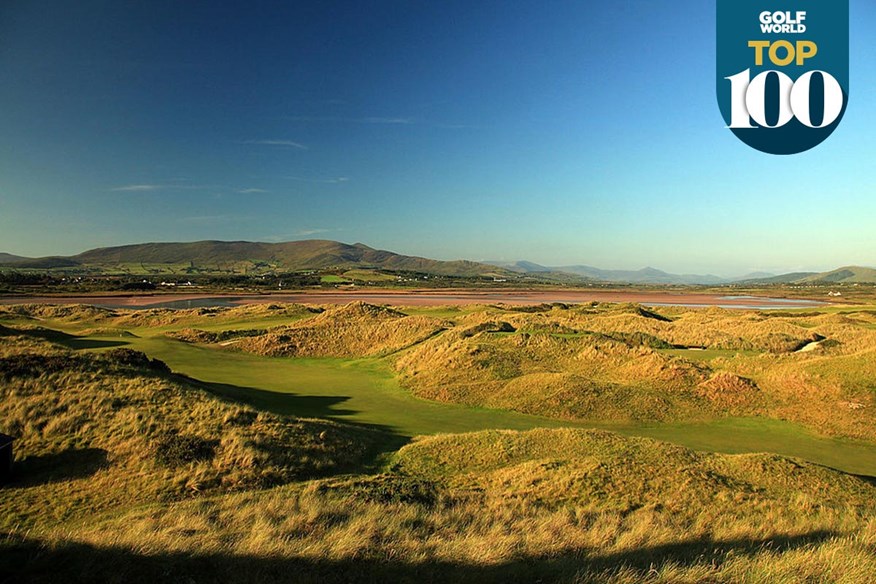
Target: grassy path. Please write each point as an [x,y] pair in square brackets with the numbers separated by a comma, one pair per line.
[357,391]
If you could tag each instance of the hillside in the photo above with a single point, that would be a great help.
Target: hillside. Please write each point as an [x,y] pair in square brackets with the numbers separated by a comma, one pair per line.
[846,275]
[600,363]
[604,470]
[243,256]
[623,363]
[489,507]
[789,278]
[643,276]
[46,263]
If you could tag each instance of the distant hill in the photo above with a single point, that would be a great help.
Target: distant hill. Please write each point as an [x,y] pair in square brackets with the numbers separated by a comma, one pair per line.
[780,279]
[239,255]
[845,275]
[9,258]
[521,267]
[754,276]
[47,263]
[318,254]
[643,276]
[533,271]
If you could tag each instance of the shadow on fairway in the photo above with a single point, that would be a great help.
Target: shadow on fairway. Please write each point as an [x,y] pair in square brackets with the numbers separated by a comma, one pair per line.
[70,341]
[29,560]
[286,404]
[305,406]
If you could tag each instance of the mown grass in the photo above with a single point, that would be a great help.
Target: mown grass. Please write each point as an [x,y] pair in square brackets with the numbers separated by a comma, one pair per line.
[749,435]
[362,391]
[369,276]
[333,279]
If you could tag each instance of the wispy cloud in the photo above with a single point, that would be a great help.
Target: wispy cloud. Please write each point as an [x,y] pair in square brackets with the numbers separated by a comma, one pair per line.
[377,120]
[137,188]
[403,121]
[145,188]
[282,143]
[365,120]
[175,186]
[307,232]
[327,181]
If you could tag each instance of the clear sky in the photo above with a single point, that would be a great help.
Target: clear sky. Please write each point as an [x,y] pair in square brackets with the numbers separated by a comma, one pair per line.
[579,132]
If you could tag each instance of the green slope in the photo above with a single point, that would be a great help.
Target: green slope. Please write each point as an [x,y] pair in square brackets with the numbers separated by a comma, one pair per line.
[238,255]
[845,275]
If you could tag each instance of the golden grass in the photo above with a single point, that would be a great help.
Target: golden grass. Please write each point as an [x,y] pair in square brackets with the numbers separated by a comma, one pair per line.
[101,430]
[605,363]
[554,505]
[357,329]
[129,473]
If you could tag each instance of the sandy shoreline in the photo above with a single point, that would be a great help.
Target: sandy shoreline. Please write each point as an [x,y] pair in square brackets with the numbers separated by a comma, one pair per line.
[427,298]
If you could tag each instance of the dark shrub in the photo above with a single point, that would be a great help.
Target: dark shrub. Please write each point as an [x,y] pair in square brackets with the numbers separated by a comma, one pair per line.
[136,359]
[30,365]
[180,449]
[397,489]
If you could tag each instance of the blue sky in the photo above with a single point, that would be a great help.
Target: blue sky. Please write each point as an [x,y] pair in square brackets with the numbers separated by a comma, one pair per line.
[558,132]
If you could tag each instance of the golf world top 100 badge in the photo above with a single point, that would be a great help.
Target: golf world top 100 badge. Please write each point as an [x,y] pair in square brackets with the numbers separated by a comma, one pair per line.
[783,71]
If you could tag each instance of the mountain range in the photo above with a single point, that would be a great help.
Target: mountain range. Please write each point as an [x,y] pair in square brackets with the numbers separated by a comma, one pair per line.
[315,254]
[643,276]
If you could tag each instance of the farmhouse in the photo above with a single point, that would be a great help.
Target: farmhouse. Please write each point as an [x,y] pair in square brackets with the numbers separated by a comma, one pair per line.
[5,458]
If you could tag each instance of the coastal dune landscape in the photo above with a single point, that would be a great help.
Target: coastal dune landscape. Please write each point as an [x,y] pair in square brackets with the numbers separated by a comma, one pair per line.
[437,292]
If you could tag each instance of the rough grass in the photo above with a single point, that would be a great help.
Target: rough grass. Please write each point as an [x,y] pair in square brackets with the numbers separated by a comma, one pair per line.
[611,362]
[144,434]
[355,330]
[158,319]
[127,472]
[603,470]
[545,505]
